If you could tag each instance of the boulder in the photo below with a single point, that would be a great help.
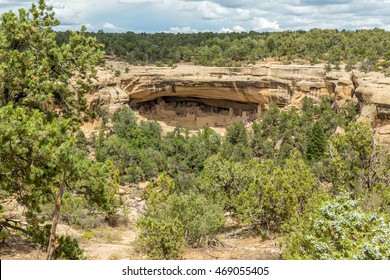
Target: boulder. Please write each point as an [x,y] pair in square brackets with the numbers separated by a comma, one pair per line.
[383,134]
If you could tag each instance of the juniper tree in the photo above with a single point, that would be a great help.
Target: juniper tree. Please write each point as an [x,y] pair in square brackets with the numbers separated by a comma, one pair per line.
[42,97]
[36,72]
[340,230]
[39,162]
[316,144]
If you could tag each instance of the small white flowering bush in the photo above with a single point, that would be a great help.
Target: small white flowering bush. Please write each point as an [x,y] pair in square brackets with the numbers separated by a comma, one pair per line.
[343,231]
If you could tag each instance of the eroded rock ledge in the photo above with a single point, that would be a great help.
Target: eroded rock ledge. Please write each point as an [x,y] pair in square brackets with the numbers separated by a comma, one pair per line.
[195,96]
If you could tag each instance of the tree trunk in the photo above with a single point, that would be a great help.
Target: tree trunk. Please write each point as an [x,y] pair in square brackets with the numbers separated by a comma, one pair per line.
[56,215]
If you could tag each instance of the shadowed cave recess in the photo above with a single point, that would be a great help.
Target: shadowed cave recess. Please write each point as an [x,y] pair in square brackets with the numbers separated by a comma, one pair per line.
[195,113]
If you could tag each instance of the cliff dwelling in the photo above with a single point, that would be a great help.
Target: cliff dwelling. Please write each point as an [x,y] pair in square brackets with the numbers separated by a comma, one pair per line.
[383,112]
[195,113]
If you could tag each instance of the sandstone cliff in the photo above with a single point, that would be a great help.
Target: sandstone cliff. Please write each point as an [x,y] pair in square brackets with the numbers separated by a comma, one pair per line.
[194,96]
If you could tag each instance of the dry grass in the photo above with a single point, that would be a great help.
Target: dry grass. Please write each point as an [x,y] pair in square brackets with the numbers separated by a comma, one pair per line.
[106,234]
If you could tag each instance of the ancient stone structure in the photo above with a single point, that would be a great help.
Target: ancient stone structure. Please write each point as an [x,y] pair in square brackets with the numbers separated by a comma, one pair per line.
[195,113]
[194,96]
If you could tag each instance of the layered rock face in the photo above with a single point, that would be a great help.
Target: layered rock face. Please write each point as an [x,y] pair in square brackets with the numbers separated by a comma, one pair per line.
[194,96]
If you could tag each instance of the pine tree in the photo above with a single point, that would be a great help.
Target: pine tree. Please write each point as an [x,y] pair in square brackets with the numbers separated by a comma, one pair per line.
[316,144]
[42,96]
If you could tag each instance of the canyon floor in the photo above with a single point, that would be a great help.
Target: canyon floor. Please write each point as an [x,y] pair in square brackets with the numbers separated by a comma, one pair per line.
[118,243]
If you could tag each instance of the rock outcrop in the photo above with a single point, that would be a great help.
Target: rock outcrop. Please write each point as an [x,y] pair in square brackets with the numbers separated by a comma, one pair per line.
[194,96]
[374,90]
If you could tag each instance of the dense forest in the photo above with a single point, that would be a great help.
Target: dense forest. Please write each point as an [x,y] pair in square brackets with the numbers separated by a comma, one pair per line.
[366,49]
[289,174]
[325,193]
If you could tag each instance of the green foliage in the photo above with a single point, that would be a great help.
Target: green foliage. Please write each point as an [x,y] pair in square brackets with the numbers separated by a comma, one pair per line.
[35,152]
[277,133]
[340,230]
[161,239]
[308,107]
[236,143]
[262,147]
[160,64]
[39,235]
[76,212]
[67,248]
[124,123]
[299,225]
[159,190]
[223,179]
[354,161]
[42,98]
[134,144]
[232,49]
[316,143]
[277,194]
[131,147]
[349,66]
[42,156]
[263,195]
[200,147]
[200,219]
[36,72]
[149,135]
[238,152]
[82,142]
[236,133]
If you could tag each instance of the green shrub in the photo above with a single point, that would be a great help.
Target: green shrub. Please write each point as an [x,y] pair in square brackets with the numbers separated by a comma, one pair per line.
[124,123]
[160,64]
[236,133]
[135,174]
[201,219]
[340,230]
[161,239]
[77,213]
[67,248]
[148,162]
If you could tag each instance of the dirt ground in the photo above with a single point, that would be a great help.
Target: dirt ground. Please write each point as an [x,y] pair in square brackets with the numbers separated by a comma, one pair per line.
[118,243]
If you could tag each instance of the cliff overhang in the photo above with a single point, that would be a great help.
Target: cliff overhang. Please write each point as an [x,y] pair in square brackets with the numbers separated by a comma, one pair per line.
[194,96]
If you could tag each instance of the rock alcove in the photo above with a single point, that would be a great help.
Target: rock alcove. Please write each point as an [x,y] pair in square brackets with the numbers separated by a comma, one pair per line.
[195,113]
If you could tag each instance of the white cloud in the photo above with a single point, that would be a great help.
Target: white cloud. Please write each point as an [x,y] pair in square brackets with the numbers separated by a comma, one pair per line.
[225,30]
[74,27]
[56,5]
[211,10]
[238,28]
[260,24]
[67,15]
[300,10]
[243,14]
[139,1]
[207,10]
[89,26]
[186,29]
[216,15]
[110,26]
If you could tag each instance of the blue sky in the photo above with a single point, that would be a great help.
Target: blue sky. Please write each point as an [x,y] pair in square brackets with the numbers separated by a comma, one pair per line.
[187,16]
